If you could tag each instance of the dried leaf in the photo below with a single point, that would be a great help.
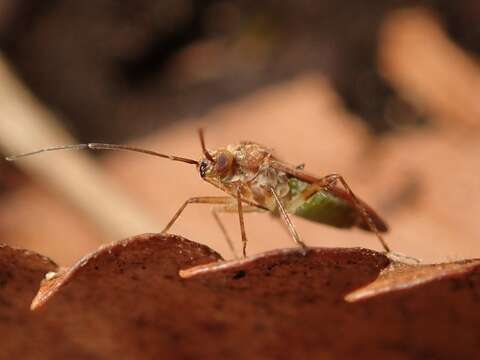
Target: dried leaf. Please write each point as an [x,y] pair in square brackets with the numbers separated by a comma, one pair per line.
[25,335]
[400,276]
[128,300]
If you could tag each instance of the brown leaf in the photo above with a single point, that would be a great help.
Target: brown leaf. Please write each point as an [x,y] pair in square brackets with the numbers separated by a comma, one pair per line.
[127,300]
[25,335]
[141,250]
[398,276]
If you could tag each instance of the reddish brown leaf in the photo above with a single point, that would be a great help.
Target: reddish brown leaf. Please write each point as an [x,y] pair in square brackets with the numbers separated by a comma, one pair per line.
[23,334]
[398,276]
[127,300]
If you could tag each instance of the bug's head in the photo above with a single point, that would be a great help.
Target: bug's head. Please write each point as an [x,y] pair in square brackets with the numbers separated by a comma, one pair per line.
[204,167]
[218,164]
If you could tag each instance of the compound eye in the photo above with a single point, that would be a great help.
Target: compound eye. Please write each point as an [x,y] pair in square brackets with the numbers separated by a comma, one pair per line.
[203,168]
[223,162]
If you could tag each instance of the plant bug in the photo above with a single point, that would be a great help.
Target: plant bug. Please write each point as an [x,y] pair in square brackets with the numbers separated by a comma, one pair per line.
[256,181]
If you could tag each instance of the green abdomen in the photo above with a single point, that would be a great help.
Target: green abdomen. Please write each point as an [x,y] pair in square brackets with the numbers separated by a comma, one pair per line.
[322,207]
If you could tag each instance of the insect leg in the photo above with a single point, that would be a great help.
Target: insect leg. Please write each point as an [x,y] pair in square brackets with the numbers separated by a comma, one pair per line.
[329,180]
[231,208]
[197,200]
[288,222]
[215,212]
[242,222]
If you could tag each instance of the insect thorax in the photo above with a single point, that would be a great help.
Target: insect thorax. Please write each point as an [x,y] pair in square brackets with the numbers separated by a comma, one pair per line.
[266,179]
[253,174]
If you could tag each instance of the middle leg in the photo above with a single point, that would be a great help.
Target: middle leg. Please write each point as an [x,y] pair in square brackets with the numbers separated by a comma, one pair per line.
[231,208]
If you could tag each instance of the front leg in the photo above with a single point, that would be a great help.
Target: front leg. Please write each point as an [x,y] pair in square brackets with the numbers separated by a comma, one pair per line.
[242,222]
[197,200]
[227,203]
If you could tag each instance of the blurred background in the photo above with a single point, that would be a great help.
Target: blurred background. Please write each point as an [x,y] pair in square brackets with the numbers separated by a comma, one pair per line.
[384,92]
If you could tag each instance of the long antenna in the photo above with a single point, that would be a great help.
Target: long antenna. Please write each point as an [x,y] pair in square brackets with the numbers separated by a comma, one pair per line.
[204,149]
[98,146]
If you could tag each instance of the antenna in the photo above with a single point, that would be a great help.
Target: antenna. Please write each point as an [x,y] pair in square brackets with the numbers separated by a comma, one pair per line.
[99,146]
[204,149]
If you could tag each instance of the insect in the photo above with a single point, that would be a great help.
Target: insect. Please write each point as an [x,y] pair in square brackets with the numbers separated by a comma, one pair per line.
[254,180]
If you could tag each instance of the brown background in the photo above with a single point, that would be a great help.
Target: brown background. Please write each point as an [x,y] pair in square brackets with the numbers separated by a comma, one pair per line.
[383,95]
